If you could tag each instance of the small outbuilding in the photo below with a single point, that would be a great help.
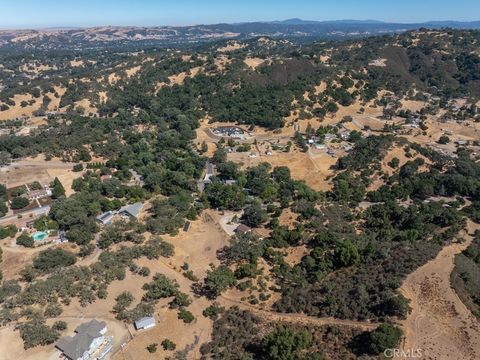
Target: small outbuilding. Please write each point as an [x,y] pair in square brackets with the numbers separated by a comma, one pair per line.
[105,218]
[242,229]
[145,323]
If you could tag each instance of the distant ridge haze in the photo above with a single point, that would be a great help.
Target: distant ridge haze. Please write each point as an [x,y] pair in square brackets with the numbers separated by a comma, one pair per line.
[78,38]
[292,21]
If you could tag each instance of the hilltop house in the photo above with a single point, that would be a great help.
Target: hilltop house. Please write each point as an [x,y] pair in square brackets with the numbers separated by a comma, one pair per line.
[132,211]
[87,342]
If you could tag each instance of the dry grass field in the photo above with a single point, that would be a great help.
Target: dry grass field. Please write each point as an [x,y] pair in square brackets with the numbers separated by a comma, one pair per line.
[19,111]
[38,169]
[198,248]
[15,258]
[440,324]
[314,167]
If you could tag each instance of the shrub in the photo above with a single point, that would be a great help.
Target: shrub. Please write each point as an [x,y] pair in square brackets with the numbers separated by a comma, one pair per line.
[284,343]
[77,167]
[386,336]
[168,345]
[25,240]
[213,311]
[152,348]
[181,300]
[190,275]
[52,310]
[8,231]
[59,325]
[186,316]
[144,271]
[443,139]
[218,280]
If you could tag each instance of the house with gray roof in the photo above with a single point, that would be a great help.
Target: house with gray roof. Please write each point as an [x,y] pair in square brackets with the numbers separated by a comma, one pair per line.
[106,218]
[132,210]
[88,339]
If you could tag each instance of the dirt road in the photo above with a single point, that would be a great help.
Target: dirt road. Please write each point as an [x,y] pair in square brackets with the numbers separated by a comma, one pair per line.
[440,324]
[296,318]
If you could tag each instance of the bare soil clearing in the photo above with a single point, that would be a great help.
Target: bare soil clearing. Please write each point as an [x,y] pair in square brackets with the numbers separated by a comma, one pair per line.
[134,70]
[440,324]
[254,62]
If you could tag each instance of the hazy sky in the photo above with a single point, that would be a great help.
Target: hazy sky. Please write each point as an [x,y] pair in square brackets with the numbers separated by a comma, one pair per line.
[49,13]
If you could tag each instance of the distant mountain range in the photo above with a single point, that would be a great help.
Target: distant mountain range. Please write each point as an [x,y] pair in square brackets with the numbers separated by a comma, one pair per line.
[447,23]
[91,38]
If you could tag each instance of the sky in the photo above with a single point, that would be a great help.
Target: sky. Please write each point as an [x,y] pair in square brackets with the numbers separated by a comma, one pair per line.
[72,13]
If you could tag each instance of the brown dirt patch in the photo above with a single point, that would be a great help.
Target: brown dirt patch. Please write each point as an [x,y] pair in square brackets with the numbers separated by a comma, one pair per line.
[440,324]
[254,62]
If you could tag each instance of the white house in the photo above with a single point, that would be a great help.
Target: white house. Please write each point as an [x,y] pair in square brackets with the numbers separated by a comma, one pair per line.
[38,194]
[88,338]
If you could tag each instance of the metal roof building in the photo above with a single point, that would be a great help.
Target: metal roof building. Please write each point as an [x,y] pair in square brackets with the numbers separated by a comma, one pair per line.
[132,210]
[105,218]
[145,323]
